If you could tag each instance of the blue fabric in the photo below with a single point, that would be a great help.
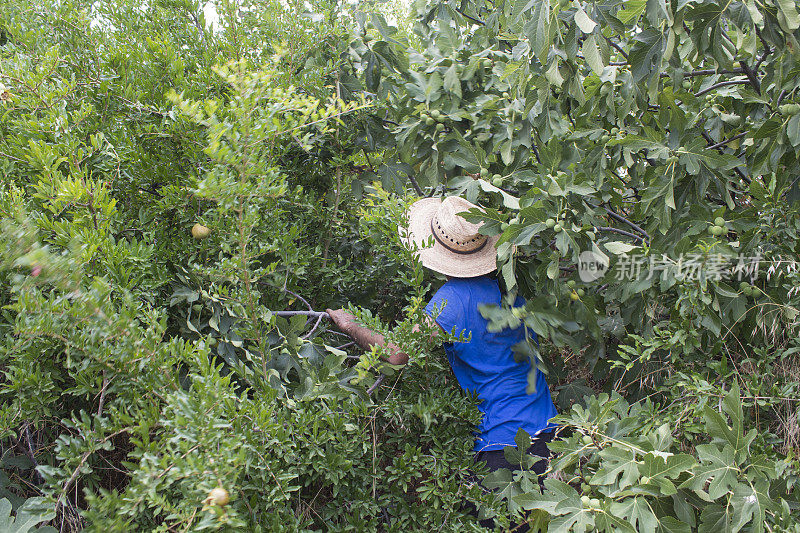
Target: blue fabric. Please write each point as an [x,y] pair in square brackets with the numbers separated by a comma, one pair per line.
[485,365]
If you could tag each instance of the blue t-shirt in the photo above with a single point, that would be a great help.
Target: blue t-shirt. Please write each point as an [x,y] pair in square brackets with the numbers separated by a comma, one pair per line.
[486,364]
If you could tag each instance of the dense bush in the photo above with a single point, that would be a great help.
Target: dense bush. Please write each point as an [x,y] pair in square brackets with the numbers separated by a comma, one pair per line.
[173,185]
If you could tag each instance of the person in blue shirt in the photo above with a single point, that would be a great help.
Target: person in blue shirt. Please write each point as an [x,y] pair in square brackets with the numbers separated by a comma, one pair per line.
[484,362]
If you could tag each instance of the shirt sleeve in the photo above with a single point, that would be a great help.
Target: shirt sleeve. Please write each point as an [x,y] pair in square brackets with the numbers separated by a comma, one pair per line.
[450,308]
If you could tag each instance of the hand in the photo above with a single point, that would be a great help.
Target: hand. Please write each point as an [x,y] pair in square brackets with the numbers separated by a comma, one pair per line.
[342,318]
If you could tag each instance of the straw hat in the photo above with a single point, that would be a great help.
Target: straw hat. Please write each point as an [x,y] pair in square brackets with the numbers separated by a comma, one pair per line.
[458,249]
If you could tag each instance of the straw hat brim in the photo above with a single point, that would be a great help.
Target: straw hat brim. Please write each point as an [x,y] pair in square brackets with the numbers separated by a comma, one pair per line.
[437,257]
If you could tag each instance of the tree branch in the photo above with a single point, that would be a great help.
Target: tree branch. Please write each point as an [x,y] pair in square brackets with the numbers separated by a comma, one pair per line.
[376,384]
[751,76]
[722,84]
[415,185]
[618,48]
[311,314]
[705,72]
[619,218]
[726,141]
[473,19]
[622,232]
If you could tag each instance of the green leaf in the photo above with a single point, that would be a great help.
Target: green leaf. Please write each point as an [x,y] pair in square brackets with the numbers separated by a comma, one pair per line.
[716,518]
[719,467]
[619,248]
[508,200]
[592,54]
[750,504]
[502,482]
[553,75]
[452,82]
[669,524]
[790,19]
[636,512]
[538,29]
[617,462]
[645,56]
[31,513]
[586,24]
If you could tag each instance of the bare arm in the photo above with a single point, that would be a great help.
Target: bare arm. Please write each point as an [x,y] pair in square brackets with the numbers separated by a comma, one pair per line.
[365,337]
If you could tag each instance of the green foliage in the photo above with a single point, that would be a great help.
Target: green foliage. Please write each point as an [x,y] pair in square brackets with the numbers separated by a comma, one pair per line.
[143,367]
[34,511]
[623,470]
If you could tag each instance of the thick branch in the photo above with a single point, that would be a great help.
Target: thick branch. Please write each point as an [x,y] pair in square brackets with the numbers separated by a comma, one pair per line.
[619,218]
[751,76]
[311,314]
[622,232]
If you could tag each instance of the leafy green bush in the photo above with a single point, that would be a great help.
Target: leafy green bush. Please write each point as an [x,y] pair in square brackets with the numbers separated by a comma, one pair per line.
[622,470]
[171,188]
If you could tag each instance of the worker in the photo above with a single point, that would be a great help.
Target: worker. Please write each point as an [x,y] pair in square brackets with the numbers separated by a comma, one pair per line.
[484,362]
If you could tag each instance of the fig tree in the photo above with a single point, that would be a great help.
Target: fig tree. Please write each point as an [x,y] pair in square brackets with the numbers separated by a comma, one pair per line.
[719,221]
[550,222]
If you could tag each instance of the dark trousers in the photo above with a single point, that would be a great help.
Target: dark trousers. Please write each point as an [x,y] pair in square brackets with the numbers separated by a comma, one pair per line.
[496,459]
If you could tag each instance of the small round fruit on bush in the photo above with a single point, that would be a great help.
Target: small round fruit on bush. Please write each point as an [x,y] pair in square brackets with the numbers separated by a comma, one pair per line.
[686,84]
[200,231]
[429,121]
[440,127]
[497,182]
[218,496]
[718,230]
[586,439]
[574,296]
[604,139]
[719,221]
[581,292]
[585,500]
[557,228]
[645,480]
[594,502]
[570,283]
[484,173]
[550,222]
